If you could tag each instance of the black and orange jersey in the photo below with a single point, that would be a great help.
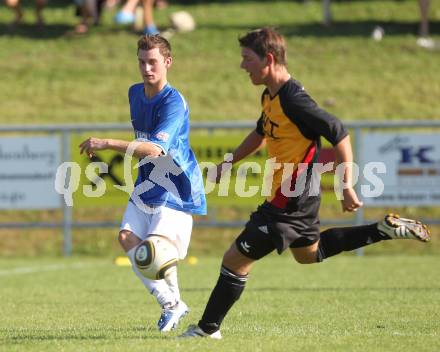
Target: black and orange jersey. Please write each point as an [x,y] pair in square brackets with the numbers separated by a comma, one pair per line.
[292,124]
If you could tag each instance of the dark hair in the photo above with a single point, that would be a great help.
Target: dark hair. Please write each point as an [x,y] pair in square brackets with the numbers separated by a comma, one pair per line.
[264,41]
[148,42]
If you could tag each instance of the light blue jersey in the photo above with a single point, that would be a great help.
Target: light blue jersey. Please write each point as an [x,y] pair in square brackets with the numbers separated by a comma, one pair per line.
[173,179]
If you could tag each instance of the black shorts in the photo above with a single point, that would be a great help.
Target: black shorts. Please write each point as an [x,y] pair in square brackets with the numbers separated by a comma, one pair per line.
[271,228]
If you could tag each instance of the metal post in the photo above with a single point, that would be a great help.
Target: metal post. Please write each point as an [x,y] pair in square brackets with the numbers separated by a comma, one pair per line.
[357,159]
[67,211]
[326,13]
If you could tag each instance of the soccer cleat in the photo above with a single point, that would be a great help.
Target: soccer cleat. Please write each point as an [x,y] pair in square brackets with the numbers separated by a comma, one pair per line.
[170,317]
[151,30]
[195,331]
[395,227]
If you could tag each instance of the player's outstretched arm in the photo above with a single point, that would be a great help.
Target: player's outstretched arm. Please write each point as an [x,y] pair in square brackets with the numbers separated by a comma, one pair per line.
[141,149]
[251,144]
[344,155]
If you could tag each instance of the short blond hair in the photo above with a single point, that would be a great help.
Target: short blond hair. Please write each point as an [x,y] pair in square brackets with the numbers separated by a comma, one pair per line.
[148,42]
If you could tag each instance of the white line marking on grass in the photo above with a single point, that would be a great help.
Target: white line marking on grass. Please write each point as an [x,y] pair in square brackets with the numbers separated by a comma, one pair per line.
[44,268]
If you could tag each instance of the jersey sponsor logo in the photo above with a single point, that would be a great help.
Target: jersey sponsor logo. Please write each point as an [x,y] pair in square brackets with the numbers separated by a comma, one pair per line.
[246,247]
[162,136]
[142,134]
[269,126]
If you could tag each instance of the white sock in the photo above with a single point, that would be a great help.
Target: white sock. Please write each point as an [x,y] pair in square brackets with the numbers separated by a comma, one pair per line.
[173,284]
[158,288]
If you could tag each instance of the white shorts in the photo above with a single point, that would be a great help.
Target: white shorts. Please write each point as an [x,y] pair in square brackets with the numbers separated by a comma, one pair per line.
[173,224]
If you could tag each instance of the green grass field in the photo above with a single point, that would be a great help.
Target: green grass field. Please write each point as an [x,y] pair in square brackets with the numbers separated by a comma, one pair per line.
[345,304]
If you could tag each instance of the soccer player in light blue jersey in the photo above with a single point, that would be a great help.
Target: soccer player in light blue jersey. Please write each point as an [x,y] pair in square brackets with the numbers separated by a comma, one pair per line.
[169,187]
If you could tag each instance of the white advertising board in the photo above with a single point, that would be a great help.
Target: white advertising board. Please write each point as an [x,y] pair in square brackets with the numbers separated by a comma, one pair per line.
[27,172]
[412,163]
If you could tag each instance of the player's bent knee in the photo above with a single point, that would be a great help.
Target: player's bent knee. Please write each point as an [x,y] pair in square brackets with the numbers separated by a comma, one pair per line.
[128,240]
[230,252]
[302,260]
[305,257]
[237,262]
[124,237]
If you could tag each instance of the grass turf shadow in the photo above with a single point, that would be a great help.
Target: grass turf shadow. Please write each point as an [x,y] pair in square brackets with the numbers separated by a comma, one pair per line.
[34,31]
[336,29]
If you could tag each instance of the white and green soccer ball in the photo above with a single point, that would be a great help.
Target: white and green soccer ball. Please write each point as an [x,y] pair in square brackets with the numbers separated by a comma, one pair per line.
[156,257]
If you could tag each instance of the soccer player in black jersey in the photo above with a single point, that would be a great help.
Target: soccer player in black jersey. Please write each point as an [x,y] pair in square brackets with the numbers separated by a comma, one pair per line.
[290,126]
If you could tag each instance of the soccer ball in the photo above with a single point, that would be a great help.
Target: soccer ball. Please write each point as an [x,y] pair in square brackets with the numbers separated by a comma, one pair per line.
[156,257]
[182,21]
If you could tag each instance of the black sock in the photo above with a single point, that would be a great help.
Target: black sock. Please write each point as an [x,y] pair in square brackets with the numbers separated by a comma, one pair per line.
[336,240]
[227,291]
